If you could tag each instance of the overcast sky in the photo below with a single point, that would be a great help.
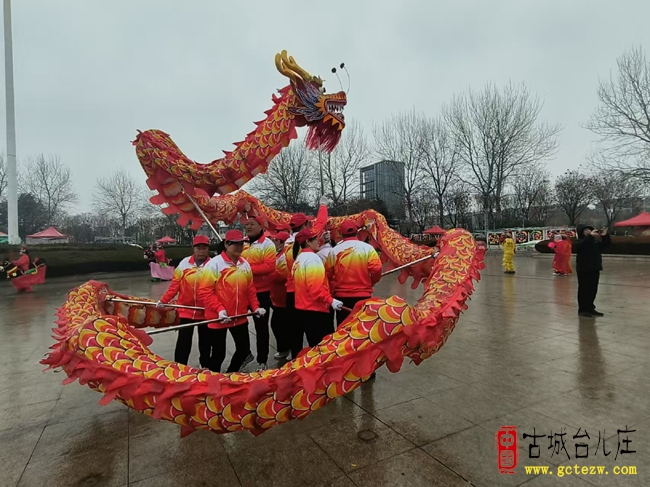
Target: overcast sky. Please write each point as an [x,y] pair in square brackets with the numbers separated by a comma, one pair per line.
[88,74]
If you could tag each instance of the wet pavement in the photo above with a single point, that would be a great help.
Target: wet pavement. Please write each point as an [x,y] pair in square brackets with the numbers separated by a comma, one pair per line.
[518,356]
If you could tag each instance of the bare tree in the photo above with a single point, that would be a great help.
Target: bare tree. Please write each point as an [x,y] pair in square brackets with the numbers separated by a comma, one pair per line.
[341,167]
[531,191]
[425,209]
[291,181]
[622,118]
[496,132]
[574,193]
[440,160]
[614,191]
[398,140]
[458,205]
[120,196]
[50,181]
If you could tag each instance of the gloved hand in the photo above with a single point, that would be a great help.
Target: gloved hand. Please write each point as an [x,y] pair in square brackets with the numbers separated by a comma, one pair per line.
[325,201]
[337,305]
[260,312]
[160,304]
[223,317]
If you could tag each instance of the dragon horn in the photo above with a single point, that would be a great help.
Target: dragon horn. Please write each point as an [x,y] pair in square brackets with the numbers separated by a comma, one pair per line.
[288,67]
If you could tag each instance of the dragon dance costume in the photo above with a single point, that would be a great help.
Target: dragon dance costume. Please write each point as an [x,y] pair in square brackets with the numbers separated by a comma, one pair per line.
[509,250]
[101,342]
[562,259]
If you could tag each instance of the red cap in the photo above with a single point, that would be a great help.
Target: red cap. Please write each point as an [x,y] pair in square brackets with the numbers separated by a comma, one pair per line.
[283,227]
[303,235]
[200,240]
[349,228]
[257,219]
[234,236]
[297,220]
[283,236]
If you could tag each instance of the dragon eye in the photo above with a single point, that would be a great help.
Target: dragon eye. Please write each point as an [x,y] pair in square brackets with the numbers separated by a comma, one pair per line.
[321,89]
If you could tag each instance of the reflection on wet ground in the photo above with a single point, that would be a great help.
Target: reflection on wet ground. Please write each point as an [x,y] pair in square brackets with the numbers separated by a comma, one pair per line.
[519,356]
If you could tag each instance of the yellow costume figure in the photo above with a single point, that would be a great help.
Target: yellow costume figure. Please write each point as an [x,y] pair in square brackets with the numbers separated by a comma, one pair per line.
[509,251]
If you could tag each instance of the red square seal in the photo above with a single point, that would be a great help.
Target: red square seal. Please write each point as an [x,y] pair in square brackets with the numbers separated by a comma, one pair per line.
[506,439]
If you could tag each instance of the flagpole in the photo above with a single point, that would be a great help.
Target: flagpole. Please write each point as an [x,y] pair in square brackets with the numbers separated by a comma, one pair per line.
[12,174]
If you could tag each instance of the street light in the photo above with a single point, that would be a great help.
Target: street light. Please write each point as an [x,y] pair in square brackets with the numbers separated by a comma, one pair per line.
[12,175]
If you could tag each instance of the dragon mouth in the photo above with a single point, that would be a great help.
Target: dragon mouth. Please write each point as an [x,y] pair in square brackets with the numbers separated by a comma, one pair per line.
[335,109]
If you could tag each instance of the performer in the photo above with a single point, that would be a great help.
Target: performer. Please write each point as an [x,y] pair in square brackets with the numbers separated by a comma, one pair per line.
[562,259]
[589,263]
[261,256]
[357,269]
[227,289]
[159,254]
[509,251]
[24,263]
[312,295]
[298,222]
[278,293]
[186,284]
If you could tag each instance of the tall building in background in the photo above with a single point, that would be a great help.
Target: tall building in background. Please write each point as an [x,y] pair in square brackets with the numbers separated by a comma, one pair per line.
[384,180]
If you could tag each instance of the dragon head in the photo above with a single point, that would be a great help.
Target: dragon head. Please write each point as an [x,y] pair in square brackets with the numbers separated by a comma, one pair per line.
[321,112]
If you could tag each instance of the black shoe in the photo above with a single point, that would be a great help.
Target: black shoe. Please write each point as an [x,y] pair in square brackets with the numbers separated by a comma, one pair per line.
[597,313]
[585,314]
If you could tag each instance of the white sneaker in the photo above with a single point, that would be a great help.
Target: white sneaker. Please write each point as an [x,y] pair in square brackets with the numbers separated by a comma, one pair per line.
[261,367]
[279,355]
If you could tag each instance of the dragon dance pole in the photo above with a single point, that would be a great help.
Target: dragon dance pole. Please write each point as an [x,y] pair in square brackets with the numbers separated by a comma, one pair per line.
[151,303]
[203,215]
[189,325]
[408,265]
[320,168]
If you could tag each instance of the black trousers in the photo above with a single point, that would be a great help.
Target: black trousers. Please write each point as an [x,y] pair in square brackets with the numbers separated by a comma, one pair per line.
[218,347]
[262,328]
[316,325]
[279,325]
[587,290]
[184,343]
[295,329]
[341,314]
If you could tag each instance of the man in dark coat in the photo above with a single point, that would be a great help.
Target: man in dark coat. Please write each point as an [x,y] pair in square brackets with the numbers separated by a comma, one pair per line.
[589,263]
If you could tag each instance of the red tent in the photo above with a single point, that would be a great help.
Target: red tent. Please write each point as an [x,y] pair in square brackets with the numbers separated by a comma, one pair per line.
[50,232]
[435,230]
[642,220]
[166,240]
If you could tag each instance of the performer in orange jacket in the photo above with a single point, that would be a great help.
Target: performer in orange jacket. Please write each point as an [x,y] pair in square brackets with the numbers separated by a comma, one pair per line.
[227,289]
[279,297]
[261,254]
[562,260]
[185,284]
[298,222]
[357,269]
[312,293]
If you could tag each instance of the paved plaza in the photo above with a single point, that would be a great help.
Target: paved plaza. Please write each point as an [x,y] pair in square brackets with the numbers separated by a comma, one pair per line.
[519,356]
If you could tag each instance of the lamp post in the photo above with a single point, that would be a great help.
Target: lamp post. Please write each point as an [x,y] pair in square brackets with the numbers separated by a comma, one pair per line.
[12,175]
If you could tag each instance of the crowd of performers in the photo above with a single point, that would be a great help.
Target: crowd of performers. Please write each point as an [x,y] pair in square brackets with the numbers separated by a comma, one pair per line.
[308,281]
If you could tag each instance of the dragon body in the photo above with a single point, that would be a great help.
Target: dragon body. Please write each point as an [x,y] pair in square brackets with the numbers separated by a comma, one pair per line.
[101,342]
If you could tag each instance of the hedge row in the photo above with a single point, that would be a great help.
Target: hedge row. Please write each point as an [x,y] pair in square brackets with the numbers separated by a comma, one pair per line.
[79,259]
[619,246]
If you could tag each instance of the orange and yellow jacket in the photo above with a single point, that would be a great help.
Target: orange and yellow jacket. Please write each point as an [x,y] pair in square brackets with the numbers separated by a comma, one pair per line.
[326,253]
[318,227]
[279,282]
[226,285]
[311,285]
[357,269]
[261,257]
[186,284]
